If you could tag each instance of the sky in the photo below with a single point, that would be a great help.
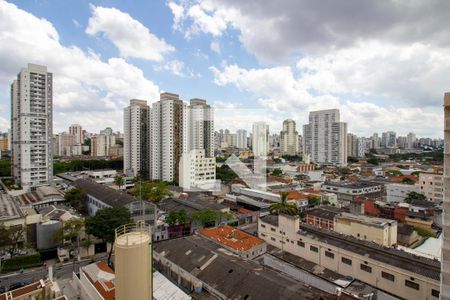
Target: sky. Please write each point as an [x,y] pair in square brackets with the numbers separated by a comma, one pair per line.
[384,64]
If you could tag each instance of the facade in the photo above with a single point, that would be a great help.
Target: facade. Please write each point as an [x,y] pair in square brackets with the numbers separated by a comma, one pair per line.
[347,192]
[241,139]
[197,171]
[101,144]
[77,132]
[396,192]
[377,230]
[136,138]
[445,259]
[322,217]
[394,271]
[352,145]
[431,184]
[201,126]
[260,142]
[411,140]
[325,137]
[289,138]
[168,136]
[388,139]
[32,127]
[376,141]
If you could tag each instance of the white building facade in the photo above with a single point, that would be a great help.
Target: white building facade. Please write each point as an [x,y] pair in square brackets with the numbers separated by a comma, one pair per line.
[32,127]
[241,138]
[260,141]
[325,137]
[197,171]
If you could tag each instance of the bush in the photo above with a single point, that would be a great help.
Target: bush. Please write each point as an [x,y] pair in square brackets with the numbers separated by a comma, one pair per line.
[21,262]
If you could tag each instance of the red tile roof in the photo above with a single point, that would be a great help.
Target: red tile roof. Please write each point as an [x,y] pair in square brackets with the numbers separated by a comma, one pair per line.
[104,286]
[232,237]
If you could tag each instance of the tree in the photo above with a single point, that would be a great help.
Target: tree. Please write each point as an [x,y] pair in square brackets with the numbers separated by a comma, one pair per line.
[207,217]
[352,159]
[313,200]
[119,181]
[373,161]
[283,207]
[179,217]
[151,191]
[77,199]
[277,172]
[11,236]
[105,222]
[225,174]
[70,231]
[408,181]
[415,173]
[345,171]
[414,196]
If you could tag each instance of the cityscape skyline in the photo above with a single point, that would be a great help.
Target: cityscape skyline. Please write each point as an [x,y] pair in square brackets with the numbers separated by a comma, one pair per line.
[92,62]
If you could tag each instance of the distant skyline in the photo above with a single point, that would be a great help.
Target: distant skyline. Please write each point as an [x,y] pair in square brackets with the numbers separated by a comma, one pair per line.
[384,64]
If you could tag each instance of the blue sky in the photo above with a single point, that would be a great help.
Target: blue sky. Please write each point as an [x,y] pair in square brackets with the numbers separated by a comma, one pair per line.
[253,60]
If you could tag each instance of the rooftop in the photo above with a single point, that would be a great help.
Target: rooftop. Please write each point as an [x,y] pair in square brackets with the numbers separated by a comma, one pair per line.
[102,277]
[270,219]
[231,276]
[391,256]
[324,212]
[9,209]
[109,196]
[352,185]
[363,219]
[232,237]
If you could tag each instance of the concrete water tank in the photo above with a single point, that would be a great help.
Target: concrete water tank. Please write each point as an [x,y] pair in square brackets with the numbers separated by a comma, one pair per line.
[45,235]
[133,262]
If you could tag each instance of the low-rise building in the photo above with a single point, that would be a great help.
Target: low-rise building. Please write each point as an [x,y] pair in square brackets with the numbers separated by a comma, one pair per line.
[431,185]
[394,271]
[377,230]
[197,171]
[396,192]
[322,217]
[243,244]
[347,191]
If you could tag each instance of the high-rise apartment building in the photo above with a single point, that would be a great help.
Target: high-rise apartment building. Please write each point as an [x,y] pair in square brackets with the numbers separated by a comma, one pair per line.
[168,136]
[77,132]
[445,256]
[241,138]
[101,144]
[289,138]
[201,126]
[388,139]
[136,138]
[411,140]
[325,137]
[32,127]
[260,139]
[352,145]
[376,141]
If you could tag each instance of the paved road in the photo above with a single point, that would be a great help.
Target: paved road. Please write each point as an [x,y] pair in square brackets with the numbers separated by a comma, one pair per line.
[59,271]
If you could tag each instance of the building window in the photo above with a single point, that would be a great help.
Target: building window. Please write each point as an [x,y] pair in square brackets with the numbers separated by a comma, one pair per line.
[346,261]
[273,229]
[366,268]
[387,276]
[273,239]
[329,254]
[435,293]
[263,226]
[301,244]
[314,249]
[412,284]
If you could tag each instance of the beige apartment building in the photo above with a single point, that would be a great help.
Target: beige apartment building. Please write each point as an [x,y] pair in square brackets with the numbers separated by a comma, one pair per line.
[394,271]
[377,230]
[431,184]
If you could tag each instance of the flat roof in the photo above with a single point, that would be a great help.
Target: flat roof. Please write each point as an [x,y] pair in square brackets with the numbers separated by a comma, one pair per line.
[352,185]
[270,219]
[9,209]
[363,219]
[390,256]
[231,276]
[232,237]
[324,212]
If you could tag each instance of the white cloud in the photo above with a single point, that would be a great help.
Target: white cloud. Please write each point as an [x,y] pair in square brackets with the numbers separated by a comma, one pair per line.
[176,67]
[286,95]
[178,14]
[130,36]
[87,90]
[76,23]
[215,46]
